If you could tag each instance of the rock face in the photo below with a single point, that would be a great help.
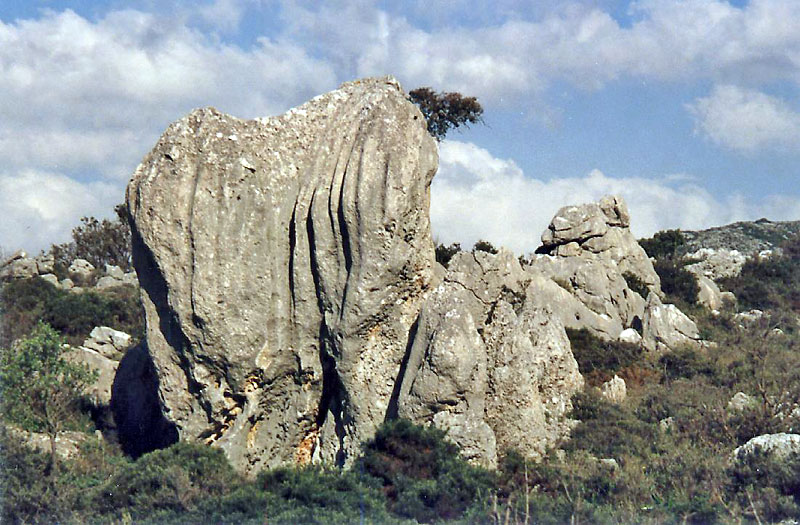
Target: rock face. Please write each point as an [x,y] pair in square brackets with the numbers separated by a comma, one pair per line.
[283,262]
[488,362]
[602,272]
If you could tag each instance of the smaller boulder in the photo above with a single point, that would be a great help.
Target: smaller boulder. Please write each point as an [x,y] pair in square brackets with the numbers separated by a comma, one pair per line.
[50,278]
[665,327]
[108,281]
[100,391]
[66,284]
[614,390]
[773,447]
[107,341]
[81,268]
[741,401]
[708,293]
[631,336]
[45,264]
[18,266]
[114,271]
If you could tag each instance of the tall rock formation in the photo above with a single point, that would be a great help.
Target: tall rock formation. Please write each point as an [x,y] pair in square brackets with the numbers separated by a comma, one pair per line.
[283,262]
[489,363]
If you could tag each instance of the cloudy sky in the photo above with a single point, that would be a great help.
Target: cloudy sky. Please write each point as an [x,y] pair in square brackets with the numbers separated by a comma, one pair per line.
[687,108]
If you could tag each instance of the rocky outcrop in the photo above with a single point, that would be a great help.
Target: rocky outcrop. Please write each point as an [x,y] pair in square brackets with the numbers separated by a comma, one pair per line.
[666,328]
[715,264]
[488,362]
[775,449]
[747,237]
[604,275]
[614,390]
[283,262]
[21,266]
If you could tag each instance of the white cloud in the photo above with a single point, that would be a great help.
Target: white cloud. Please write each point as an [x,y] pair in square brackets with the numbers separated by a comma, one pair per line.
[518,59]
[41,208]
[477,196]
[746,120]
[95,95]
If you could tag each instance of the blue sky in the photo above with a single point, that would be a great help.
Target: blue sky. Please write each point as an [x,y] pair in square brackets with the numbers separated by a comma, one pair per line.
[687,108]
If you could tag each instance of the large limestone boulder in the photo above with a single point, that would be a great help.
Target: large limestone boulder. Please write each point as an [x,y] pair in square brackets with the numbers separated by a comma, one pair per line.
[283,262]
[768,450]
[600,230]
[717,263]
[590,252]
[488,362]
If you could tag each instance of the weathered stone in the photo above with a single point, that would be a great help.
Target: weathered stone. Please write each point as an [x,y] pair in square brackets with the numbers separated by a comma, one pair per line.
[283,262]
[709,294]
[19,266]
[45,264]
[716,264]
[50,278]
[67,443]
[489,362]
[614,390]
[66,284]
[665,327]
[114,271]
[630,336]
[108,281]
[741,401]
[81,268]
[130,278]
[748,318]
[107,341]
[99,392]
[777,448]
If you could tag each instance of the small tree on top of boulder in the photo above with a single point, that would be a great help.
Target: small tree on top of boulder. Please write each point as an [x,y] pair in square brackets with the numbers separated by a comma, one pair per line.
[443,111]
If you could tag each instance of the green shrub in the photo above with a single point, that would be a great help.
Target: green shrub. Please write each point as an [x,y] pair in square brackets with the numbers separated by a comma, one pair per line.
[314,494]
[484,246]
[685,362]
[636,284]
[423,475]
[663,244]
[175,479]
[595,354]
[679,284]
[445,253]
[73,314]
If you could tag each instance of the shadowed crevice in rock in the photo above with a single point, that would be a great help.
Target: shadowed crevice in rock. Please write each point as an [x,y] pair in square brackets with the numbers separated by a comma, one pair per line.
[392,412]
[141,426]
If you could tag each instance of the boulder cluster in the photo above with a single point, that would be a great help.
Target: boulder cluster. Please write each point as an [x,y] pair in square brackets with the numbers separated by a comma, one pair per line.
[81,274]
[293,301]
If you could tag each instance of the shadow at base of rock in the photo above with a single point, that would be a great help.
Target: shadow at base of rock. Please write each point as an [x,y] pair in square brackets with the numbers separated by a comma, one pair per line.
[141,426]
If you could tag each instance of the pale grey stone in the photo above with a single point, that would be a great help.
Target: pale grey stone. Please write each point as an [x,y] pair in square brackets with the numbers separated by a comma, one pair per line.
[709,294]
[114,271]
[50,278]
[614,390]
[665,327]
[631,336]
[81,268]
[99,392]
[741,401]
[775,447]
[107,341]
[108,281]
[19,266]
[66,284]
[282,271]
[45,264]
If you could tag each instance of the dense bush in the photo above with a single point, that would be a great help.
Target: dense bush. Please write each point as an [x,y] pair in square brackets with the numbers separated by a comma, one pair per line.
[664,244]
[445,253]
[599,357]
[422,473]
[679,284]
[636,284]
[484,246]
[73,314]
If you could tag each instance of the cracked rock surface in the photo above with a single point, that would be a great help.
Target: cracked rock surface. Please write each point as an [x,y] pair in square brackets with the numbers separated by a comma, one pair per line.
[283,262]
